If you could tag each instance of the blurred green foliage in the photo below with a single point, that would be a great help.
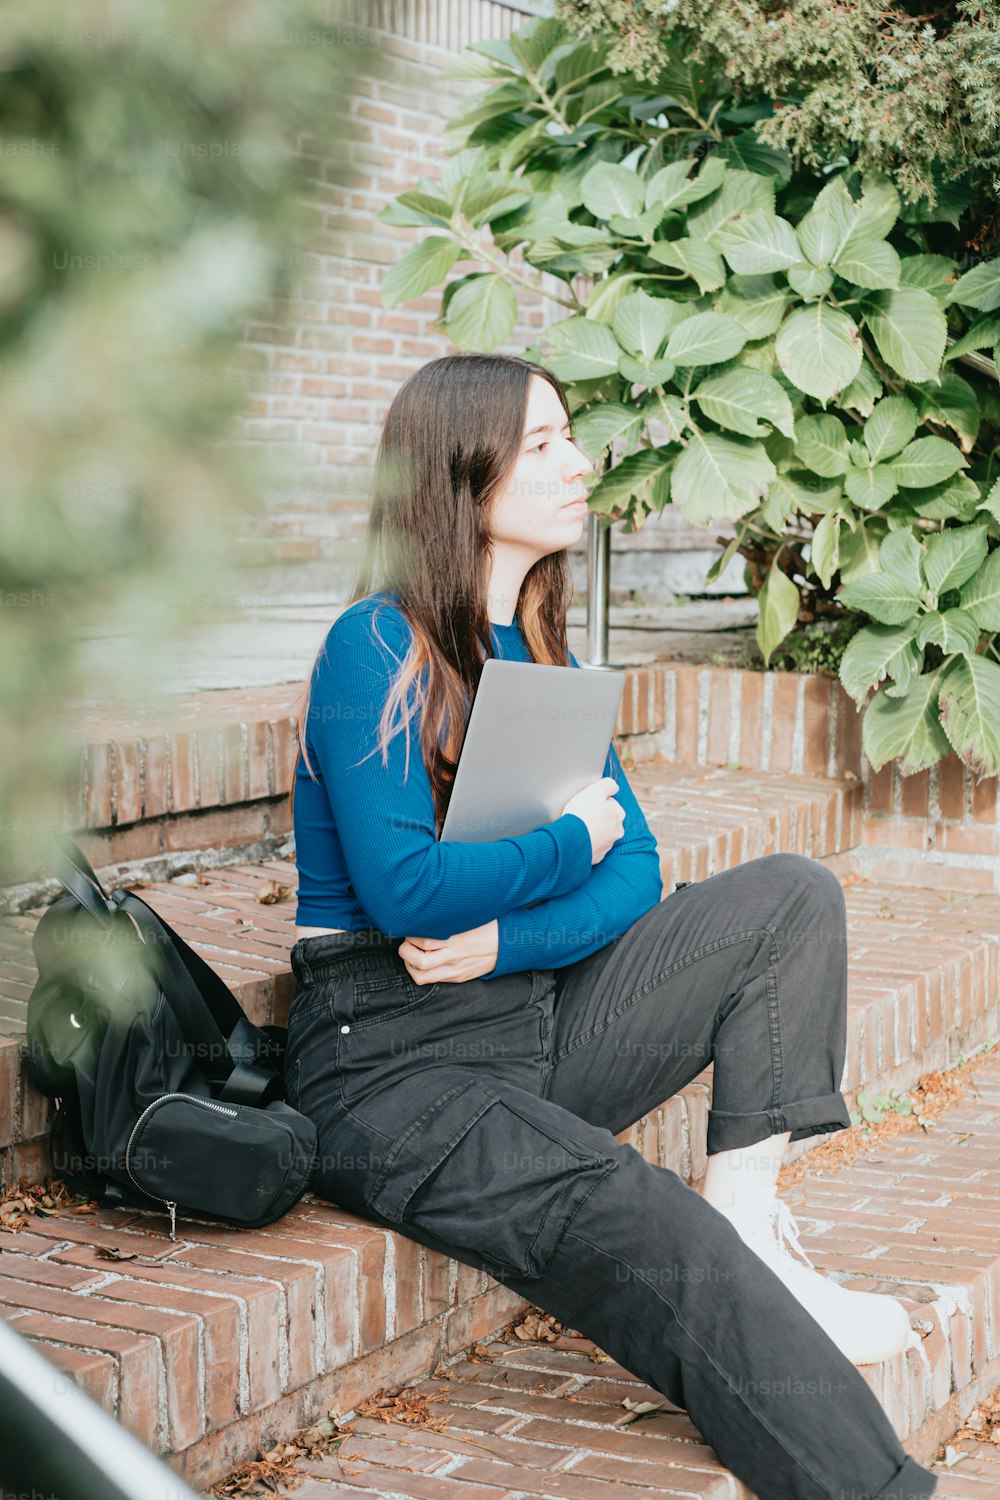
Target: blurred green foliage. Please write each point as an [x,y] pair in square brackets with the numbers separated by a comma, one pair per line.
[157,167]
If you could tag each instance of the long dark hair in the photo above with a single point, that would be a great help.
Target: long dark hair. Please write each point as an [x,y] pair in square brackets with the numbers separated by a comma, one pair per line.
[451,437]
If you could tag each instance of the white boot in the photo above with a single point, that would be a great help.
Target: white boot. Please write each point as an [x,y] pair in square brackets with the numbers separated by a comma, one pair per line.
[865,1326]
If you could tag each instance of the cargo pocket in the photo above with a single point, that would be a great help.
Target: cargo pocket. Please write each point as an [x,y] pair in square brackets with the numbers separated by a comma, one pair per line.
[497,1175]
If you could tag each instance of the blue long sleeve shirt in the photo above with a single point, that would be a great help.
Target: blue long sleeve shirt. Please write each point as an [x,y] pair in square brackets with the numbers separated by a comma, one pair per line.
[366,846]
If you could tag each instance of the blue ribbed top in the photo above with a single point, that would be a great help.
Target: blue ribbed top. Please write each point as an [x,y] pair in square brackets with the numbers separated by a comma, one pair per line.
[366,848]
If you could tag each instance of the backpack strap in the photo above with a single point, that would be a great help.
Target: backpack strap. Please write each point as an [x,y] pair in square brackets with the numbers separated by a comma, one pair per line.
[72,869]
[211,1017]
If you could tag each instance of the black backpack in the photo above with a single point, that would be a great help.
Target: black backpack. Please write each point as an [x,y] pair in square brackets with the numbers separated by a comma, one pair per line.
[165,1092]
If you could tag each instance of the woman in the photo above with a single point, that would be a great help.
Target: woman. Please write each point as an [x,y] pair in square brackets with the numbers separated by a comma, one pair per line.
[474,1023]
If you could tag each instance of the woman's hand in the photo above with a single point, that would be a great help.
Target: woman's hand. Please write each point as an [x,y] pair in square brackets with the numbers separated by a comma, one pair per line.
[451,960]
[595,806]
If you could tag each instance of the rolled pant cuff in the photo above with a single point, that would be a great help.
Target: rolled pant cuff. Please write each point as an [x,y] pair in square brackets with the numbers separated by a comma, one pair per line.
[803,1117]
[911,1482]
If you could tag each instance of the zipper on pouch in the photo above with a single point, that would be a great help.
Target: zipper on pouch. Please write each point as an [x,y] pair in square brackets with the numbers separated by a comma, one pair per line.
[172,1206]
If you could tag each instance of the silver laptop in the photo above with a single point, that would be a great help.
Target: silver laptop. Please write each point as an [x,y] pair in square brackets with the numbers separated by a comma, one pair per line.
[537,735]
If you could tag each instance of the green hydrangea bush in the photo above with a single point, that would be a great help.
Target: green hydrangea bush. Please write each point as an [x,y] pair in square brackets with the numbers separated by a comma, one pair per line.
[753,343]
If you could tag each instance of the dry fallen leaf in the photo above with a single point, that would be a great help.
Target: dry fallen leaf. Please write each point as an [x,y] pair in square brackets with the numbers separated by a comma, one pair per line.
[48,1199]
[408,1405]
[271,893]
[278,1465]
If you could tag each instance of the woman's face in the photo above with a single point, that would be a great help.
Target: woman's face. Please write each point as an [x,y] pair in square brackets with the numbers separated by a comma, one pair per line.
[540,509]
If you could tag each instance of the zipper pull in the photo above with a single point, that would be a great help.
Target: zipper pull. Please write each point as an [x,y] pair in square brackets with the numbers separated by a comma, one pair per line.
[173,1219]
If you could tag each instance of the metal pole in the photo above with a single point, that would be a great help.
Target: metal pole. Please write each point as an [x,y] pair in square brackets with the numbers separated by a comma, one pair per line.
[598,586]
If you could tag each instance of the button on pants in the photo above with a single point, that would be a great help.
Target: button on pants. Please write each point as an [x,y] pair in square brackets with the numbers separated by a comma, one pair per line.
[479,1119]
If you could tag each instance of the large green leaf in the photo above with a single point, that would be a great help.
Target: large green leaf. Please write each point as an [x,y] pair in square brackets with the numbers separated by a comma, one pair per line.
[505,99]
[635,229]
[482,313]
[859,549]
[863,391]
[534,42]
[958,497]
[909,329]
[672,186]
[595,429]
[416,208]
[423,266]
[953,556]
[821,444]
[992,502]
[970,712]
[759,242]
[927,461]
[740,193]
[891,596]
[706,339]
[641,323]
[749,151]
[718,477]
[670,415]
[952,404]
[737,398]
[823,230]
[607,294]
[877,651]
[579,349]
[493,203]
[980,597]
[983,334]
[758,303]
[645,372]
[952,630]
[779,504]
[469,67]
[890,427]
[869,263]
[684,78]
[580,62]
[809,281]
[936,273]
[979,288]
[582,108]
[819,349]
[636,474]
[610,189]
[901,557]
[696,257]
[778,609]
[871,488]
[799,490]
[878,209]
[906,729]
[824,549]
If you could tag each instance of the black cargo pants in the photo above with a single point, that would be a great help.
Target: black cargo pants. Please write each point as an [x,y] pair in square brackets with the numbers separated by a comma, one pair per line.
[479,1119]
